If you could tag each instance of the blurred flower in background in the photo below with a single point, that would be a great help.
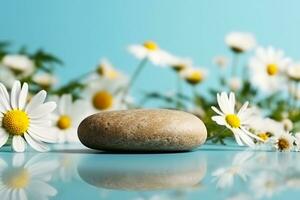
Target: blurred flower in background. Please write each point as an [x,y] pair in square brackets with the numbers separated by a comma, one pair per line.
[240,42]
[268,68]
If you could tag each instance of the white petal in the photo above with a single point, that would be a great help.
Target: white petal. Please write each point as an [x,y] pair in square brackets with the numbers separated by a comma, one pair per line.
[4,99]
[35,144]
[14,94]
[243,108]
[36,100]
[43,134]
[219,120]
[217,110]
[237,137]
[18,143]
[251,134]
[246,139]
[42,110]
[3,137]
[231,102]
[23,96]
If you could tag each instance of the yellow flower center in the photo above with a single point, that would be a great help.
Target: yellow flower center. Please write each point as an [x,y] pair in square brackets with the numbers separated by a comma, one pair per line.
[16,178]
[150,45]
[263,136]
[102,100]
[16,122]
[283,144]
[64,122]
[195,78]
[233,120]
[272,69]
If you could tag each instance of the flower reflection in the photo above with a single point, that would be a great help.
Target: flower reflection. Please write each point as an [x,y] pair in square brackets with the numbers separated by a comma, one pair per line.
[22,180]
[266,184]
[67,167]
[225,175]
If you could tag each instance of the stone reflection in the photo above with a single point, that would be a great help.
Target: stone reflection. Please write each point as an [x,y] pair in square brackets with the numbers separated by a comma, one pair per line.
[25,178]
[142,172]
[261,174]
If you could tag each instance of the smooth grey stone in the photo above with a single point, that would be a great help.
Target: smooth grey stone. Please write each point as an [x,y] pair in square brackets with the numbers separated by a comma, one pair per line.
[142,130]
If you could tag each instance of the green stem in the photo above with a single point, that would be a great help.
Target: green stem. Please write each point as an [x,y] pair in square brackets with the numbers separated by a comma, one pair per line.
[178,102]
[133,78]
[295,96]
[235,61]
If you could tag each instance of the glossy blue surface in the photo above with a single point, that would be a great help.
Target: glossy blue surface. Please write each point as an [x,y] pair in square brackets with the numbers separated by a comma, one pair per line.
[74,172]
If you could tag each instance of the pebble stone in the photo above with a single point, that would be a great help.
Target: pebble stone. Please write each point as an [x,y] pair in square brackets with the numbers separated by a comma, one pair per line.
[144,130]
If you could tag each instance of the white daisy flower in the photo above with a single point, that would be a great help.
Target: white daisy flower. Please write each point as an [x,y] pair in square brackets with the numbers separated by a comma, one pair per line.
[265,128]
[283,141]
[106,69]
[235,83]
[151,51]
[236,122]
[24,180]
[240,42]
[293,71]
[25,122]
[180,64]
[268,68]
[67,116]
[103,95]
[45,80]
[193,75]
[20,64]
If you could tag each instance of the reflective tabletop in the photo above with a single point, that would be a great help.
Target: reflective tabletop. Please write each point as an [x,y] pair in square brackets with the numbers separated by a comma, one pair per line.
[210,172]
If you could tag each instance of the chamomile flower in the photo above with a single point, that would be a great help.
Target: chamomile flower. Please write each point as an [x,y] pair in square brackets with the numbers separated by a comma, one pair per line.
[236,122]
[67,116]
[103,95]
[19,64]
[106,69]
[284,141]
[267,68]
[24,122]
[151,51]
[265,128]
[240,42]
[193,75]
[45,80]
[180,64]
[24,180]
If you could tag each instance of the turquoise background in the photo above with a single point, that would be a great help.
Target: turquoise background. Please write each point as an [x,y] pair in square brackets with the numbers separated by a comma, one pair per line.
[81,32]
